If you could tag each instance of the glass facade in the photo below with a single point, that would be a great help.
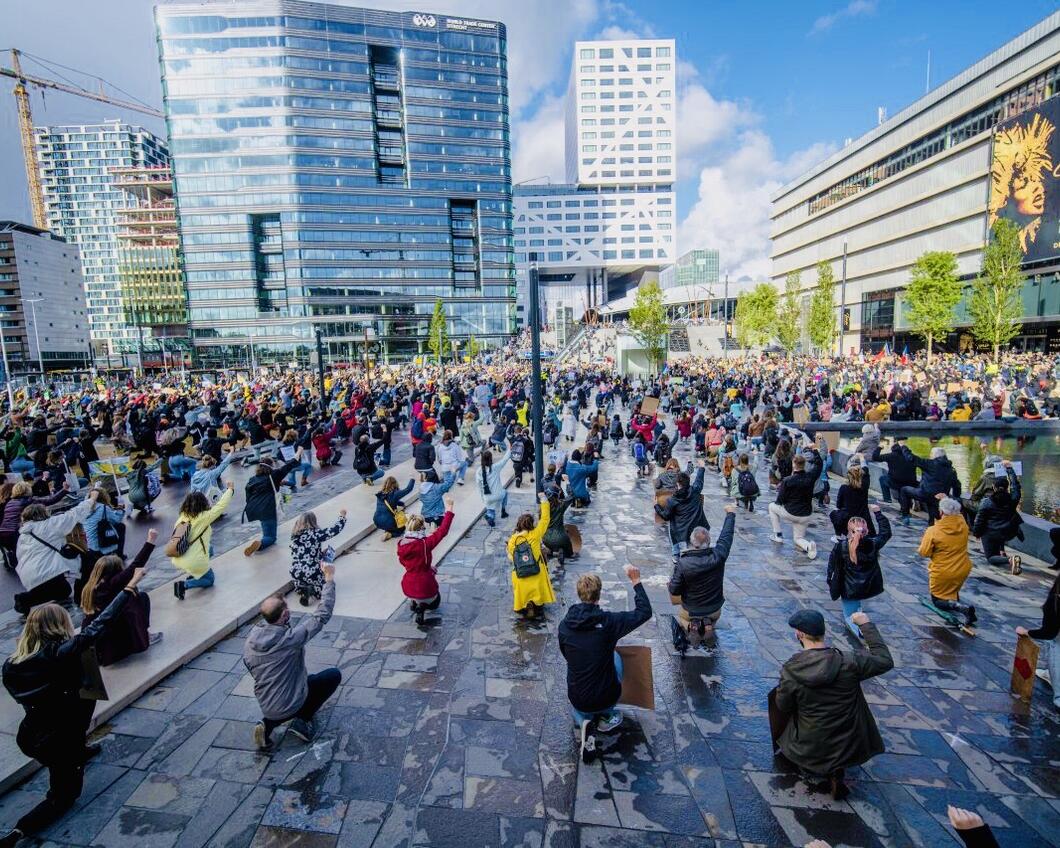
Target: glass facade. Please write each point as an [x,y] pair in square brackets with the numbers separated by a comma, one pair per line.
[341,168]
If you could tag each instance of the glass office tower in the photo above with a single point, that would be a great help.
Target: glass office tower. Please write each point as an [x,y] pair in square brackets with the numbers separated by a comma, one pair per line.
[337,168]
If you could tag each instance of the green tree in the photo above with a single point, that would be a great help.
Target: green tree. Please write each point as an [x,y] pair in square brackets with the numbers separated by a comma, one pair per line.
[648,321]
[473,347]
[820,323]
[932,296]
[996,305]
[756,315]
[438,338]
[789,331]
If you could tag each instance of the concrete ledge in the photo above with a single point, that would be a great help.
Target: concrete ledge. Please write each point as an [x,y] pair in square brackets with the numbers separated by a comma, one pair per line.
[935,428]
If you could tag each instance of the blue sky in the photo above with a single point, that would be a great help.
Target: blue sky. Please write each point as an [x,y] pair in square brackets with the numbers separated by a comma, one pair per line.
[765,89]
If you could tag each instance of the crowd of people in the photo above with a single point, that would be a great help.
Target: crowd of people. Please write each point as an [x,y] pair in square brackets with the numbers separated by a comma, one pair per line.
[736,421]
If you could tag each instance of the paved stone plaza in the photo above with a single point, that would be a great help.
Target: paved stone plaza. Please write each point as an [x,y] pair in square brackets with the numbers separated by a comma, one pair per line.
[459,734]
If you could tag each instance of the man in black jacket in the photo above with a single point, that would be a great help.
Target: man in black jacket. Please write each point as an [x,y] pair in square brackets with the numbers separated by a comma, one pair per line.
[698,580]
[997,520]
[684,509]
[261,501]
[794,504]
[938,478]
[522,455]
[901,469]
[587,639]
[364,459]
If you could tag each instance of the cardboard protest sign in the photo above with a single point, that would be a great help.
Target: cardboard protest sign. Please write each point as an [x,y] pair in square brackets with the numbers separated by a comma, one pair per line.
[953,387]
[999,469]
[801,414]
[1023,665]
[649,406]
[638,685]
[831,438]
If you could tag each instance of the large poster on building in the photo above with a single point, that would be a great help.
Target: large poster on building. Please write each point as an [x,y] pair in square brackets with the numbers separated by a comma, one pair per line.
[1024,186]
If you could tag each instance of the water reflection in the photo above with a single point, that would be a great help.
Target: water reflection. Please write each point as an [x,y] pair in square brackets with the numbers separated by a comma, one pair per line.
[1040,456]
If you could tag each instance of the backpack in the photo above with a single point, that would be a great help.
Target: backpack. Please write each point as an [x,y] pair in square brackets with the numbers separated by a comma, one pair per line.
[639,453]
[106,532]
[518,450]
[181,540]
[526,564]
[747,485]
[548,436]
[154,485]
[417,428]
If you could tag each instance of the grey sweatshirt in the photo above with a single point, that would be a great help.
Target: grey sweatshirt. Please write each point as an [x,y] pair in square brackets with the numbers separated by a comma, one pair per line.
[275,657]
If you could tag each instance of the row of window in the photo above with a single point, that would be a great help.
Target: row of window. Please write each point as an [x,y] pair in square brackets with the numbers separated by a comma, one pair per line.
[641,121]
[628,52]
[592,109]
[622,69]
[622,95]
[968,125]
[558,256]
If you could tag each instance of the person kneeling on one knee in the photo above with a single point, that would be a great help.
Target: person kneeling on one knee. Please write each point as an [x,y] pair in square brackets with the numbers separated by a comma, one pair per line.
[274,654]
[587,639]
[697,581]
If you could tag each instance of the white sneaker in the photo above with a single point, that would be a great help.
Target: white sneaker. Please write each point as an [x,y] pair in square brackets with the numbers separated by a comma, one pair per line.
[811,552]
[778,538]
[588,743]
[612,722]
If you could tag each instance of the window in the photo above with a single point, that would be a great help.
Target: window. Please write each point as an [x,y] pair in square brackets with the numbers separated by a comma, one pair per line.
[625,81]
[665,93]
[663,66]
[589,136]
[589,148]
[643,52]
[587,69]
[588,122]
[607,53]
[553,216]
[588,83]
[536,230]
[535,204]
[591,95]
[661,133]
[587,53]
[662,52]
[588,109]
[572,204]
[553,204]
[643,67]
[607,81]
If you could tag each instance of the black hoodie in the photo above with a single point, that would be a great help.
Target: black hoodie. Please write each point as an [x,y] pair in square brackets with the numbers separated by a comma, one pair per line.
[587,639]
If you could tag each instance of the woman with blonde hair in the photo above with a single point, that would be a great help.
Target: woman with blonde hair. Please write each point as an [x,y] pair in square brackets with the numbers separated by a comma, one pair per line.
[415,553]
[307,540]
[44,676]
[531,587]
[21,496]
[853,496]
[130,634]
[390,509]
[195,525]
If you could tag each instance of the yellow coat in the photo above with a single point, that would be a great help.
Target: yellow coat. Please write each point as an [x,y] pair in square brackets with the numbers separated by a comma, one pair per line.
[196,560]
[537,588]
[946,543]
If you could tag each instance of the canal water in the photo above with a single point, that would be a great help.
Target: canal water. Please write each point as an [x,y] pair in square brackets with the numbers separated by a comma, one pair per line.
[1040,456]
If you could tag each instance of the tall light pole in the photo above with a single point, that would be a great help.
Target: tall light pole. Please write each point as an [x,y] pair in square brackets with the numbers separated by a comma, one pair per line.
[725,313]
[535,373]
[7,372]
[33,301]
[320,370]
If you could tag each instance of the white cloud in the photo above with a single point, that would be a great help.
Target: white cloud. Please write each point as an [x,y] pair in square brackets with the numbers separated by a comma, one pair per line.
[853,9]
[731,212]
[538,142]
[703,121]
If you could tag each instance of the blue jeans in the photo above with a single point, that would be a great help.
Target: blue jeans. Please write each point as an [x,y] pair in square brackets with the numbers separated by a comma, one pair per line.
[181,466]
[885,488]
[385,458]
[22,465]
[849,608]
[491,514]
[461,470]
[304,467]
[579,716]
[200,582]
[676,547]
[379,472]
[268,533]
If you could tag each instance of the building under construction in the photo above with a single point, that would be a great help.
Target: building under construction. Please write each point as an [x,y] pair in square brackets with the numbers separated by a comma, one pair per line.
[149,269]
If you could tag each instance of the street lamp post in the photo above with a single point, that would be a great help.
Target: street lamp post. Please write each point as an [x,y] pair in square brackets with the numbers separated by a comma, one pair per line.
[535,374]
[324,400]
[369,334]
[7,371]
[33,301]
[725,313]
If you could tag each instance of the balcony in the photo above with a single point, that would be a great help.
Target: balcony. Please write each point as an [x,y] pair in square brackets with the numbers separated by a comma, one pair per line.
[386,80]
[392,155]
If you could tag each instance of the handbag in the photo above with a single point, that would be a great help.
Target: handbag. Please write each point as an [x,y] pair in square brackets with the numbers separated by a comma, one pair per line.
[67,551]
[399,515]
[106,532]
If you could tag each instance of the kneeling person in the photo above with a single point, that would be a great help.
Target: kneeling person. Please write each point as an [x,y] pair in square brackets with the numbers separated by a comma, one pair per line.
[697,583]
[274,654]
[587,639]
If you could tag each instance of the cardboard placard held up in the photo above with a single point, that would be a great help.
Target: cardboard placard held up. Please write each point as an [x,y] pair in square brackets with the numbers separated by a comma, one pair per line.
[1023,666]
[831,438]
[953,387]
[575,536]
[649,406]
[801,414]
[661,497]
[638,685]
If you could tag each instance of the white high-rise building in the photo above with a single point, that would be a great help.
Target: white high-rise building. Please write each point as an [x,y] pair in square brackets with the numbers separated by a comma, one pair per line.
[81,198]
[613,224]
[620,125]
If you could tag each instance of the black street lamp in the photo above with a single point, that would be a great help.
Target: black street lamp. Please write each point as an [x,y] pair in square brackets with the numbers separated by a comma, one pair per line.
[324,399]
[536,402]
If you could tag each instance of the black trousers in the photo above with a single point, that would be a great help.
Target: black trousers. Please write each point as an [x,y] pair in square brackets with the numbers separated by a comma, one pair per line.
[993,547]
[521,468]
[56,589]
[66,775]
[322,686]
[908,494]
[951,606]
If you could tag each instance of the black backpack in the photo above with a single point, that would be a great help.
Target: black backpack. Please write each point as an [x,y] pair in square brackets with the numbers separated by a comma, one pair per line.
[526,564]
[747,485]
[106,532]
[518,450]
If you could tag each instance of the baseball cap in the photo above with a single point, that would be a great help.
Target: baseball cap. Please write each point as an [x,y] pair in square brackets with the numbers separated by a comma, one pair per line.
[810,622]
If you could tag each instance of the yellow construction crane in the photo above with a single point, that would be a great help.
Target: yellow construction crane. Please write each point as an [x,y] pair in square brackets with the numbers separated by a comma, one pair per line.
[25,124]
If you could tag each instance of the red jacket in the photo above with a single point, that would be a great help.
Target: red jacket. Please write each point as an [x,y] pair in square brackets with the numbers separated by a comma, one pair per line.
[646,429]
[415,554]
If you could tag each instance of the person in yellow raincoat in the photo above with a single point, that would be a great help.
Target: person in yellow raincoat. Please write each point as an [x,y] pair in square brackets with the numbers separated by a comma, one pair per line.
[529,594]
[945,543]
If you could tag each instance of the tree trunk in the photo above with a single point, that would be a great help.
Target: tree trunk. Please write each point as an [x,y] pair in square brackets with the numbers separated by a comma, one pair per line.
[929,349]
[997,351]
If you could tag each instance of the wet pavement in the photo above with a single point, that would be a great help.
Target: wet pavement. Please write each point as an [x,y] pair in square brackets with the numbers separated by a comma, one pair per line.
[458,734]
